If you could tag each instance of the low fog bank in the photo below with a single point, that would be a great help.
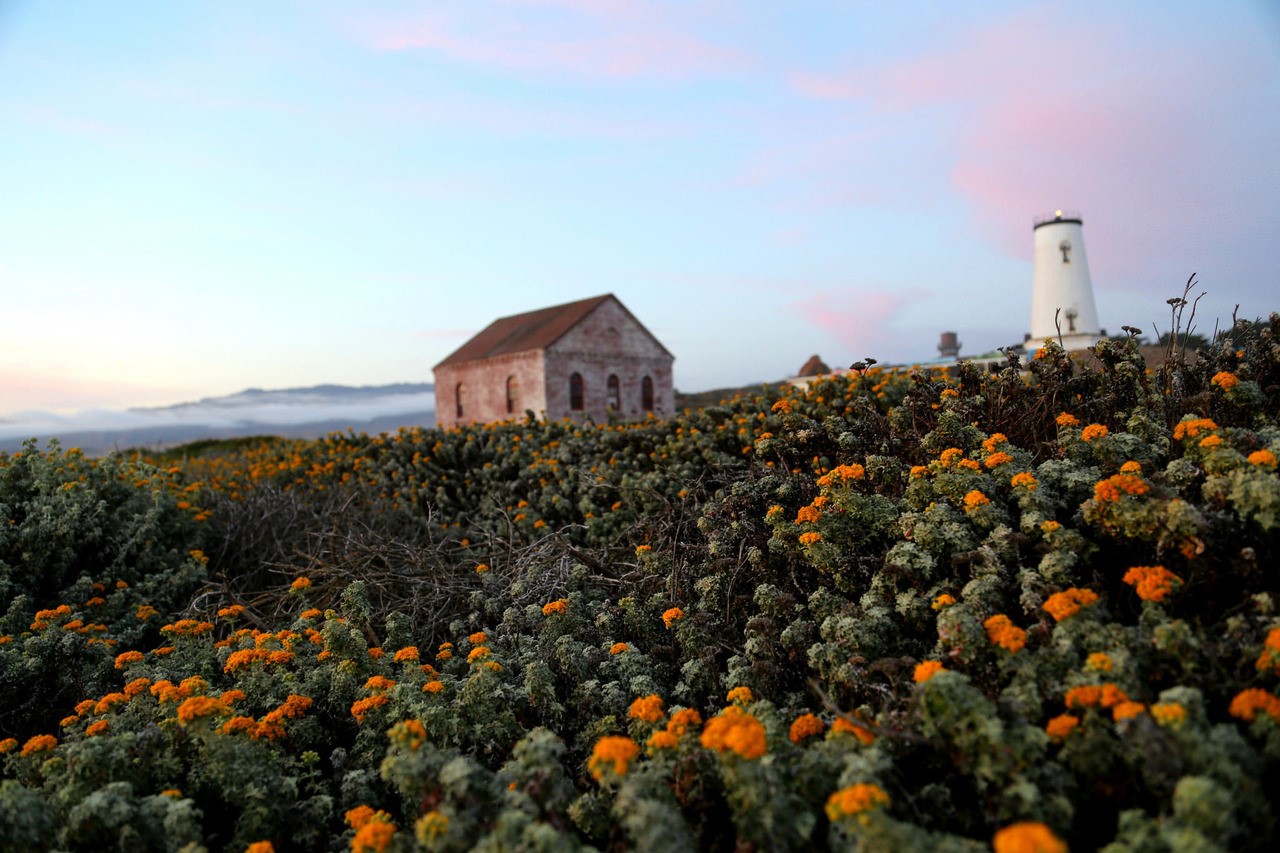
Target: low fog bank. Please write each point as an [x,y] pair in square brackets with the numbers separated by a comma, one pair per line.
[292,412]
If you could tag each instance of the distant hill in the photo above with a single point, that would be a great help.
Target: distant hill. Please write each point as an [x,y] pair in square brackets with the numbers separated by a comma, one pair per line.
[289,412]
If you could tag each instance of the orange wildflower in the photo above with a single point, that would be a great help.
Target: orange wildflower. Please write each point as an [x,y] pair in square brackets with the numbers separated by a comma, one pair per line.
[649,708]
[1065,604]
[734,730]
[1117,486]
[1152,583]
[805,727]
[810,538]
[1262,458]
[612,753]
[1249,703]
[927,669]
[408,653]
[1127,710]
[1060,726]
[558,606]
[1067,420]
[1002,632]
[944,600]
[975,499]
[854,800]
[672,615]
[618,648]
[1225,380]
[1093,431]
[1027,837]
[39,743]
[300,583]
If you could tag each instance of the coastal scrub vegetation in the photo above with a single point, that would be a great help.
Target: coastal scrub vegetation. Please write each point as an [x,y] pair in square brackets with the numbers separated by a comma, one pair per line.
[1021,610]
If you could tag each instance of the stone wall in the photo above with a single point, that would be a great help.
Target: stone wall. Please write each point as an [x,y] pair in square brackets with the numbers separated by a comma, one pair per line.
[485,389]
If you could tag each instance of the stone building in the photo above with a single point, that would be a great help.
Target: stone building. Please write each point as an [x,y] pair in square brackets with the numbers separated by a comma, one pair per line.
[589,358]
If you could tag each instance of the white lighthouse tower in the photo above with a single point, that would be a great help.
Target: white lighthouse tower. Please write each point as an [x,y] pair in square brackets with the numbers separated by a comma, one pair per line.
[1062,307]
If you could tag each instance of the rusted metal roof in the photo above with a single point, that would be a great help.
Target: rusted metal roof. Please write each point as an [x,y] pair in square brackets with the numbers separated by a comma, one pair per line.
[533,330]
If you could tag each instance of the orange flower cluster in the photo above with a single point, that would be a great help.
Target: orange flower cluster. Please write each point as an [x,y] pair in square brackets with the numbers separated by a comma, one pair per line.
[1092,432]
[741,695]
[1269,660]
[810,538]
[1060,726]
[649,708]
[1067,420]
[612,754]
[995,440]
[842,474]
[950,456]
[975,499]
[1127,710]
[926,670]
[735,730]
[39,743]
[1027,837]
[995,460]
[1152,583]
[944,600]
[558,606]
[618,648]
[125,658]
[187,628]
[1024,480]
[231,612]
[1065,604]
[1248,704]
[672,615]
[480,653]
[844,725]
[409,654]
[1192,428]
[374,829]
[1225,379]
[804,727]
[1117,486]
[242,658]
[1005,634]
[361,707]
[855,800]
[808,515]
[683,720]
[167,691]
[1094,695]
[1262,458]
[300,583]
[199,706]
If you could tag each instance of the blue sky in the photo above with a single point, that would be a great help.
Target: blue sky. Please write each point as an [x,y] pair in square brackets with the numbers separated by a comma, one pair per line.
[196,198]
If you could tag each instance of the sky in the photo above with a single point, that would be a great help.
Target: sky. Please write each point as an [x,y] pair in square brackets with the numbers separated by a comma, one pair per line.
[200,197]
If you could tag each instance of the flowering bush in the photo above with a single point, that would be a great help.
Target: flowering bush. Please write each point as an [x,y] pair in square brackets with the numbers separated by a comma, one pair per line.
[897,610]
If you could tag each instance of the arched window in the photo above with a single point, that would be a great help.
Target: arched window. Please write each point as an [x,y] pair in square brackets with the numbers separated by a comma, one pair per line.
[513,394]
[459,394]
[576,392]
[646,394]
[615,393]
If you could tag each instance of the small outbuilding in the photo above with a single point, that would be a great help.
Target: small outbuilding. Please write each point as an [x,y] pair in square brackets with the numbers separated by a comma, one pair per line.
[585,359]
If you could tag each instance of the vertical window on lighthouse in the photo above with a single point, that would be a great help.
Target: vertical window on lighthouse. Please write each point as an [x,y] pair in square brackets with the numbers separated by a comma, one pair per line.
[646,394]
[513,393]
[459,393]
[615,393]
[1065,248]
[576,392]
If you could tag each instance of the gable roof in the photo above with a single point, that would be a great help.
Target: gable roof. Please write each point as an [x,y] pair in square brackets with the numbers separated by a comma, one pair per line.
[533,330]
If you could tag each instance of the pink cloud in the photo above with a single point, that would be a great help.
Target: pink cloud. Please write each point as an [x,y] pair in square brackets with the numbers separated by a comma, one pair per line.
[860,320]
[1170,159]
[593,40]
[31,390]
